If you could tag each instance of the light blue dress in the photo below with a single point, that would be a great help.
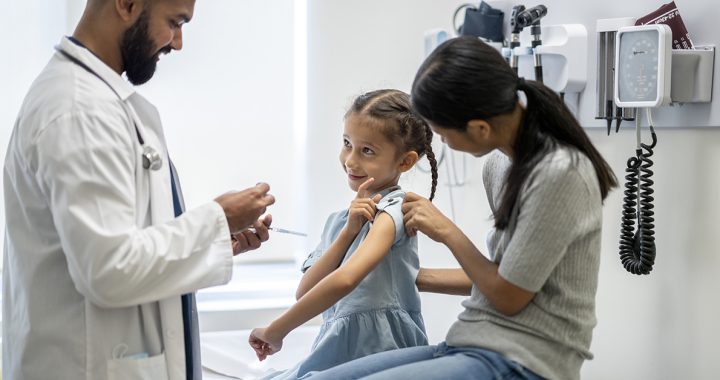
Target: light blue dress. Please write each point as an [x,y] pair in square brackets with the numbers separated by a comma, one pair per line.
[382,313]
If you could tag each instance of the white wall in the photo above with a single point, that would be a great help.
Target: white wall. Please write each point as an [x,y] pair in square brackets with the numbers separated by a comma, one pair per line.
[226,99]
[661,326]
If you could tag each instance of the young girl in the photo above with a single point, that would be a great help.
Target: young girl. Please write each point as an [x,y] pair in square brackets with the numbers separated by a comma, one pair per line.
[362,274]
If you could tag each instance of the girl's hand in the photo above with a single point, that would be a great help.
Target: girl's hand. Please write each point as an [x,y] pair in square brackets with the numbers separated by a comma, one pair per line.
[361,208]
[264,343]
[421,215]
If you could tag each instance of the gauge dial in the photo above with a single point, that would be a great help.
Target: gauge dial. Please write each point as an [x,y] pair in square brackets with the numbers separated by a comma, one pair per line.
[643,66]
[639,65]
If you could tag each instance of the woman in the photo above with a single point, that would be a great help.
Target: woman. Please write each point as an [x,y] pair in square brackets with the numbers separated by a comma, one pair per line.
[532,307]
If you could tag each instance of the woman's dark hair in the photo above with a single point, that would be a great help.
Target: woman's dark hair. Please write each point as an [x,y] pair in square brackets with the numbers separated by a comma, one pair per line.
[465,79]
[403,126]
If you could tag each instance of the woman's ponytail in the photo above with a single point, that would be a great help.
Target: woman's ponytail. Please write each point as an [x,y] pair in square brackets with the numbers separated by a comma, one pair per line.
[465,79]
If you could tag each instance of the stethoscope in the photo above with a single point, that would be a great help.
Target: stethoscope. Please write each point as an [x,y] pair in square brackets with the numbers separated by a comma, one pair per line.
[151,158]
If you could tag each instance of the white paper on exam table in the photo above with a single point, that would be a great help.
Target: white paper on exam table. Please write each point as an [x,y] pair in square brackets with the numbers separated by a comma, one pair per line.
[229,356]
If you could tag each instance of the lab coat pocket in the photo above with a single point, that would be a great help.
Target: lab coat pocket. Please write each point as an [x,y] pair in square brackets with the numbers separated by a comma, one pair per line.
[152,368]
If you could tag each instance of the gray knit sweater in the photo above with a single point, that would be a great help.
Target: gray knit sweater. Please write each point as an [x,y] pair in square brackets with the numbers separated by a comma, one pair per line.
[551,247]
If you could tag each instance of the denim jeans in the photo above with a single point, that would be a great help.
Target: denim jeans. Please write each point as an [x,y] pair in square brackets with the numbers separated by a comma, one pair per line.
[430,362]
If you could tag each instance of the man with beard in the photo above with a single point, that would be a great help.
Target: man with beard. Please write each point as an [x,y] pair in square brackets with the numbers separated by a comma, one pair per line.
[100,261]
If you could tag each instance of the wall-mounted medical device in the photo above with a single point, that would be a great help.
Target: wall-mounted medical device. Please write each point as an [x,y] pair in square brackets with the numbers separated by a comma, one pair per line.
[643,63]
[605,85]
[482,21]
[564,54]
[690,72]
[642,79]
[521,18]
[555,55]
[531,17]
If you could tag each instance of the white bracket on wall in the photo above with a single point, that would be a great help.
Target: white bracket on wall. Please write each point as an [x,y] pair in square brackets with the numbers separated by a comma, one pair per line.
[692,75]
[564,56]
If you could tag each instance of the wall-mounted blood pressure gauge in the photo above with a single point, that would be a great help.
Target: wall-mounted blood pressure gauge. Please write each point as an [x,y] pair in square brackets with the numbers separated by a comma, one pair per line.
[643,56]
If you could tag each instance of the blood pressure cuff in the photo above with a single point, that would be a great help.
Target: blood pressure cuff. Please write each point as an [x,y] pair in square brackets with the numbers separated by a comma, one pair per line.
[485,22]
[669,15]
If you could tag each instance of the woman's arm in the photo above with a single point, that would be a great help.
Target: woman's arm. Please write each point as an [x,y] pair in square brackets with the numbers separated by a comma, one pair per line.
[420,214]
[506,297]
[330,289]
[452,281]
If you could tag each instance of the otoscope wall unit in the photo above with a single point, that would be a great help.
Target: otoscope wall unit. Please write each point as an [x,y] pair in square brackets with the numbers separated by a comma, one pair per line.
[564,54]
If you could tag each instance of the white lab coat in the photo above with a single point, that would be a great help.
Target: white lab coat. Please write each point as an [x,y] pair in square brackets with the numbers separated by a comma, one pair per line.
[95,261]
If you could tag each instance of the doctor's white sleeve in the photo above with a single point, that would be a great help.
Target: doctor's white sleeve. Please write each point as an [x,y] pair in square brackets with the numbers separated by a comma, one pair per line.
[85,165]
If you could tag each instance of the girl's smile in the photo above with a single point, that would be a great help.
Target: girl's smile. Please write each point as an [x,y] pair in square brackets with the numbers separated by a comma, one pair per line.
[367,152]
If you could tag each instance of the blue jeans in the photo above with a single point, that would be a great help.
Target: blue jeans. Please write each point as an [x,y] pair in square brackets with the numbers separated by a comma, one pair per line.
[430,362]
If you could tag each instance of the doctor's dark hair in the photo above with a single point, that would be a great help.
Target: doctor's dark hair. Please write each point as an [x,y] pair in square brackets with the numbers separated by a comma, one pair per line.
[465,79]
[400,124]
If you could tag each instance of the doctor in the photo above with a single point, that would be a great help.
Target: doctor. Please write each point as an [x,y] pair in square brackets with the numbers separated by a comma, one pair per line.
[96,253]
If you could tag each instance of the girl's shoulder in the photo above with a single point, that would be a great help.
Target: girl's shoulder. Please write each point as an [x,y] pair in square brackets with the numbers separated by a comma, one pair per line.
[393,198]
[391,204]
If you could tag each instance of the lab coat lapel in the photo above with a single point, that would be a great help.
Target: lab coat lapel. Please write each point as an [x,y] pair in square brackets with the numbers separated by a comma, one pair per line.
[161,209]
[149,127]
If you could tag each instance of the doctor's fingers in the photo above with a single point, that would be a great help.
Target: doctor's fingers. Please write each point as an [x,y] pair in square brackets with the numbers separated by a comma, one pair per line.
[245,241]
[243,208]
[261,228]
[259,192]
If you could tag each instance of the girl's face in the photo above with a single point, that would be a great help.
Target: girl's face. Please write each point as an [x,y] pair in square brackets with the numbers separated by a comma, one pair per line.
[368,153]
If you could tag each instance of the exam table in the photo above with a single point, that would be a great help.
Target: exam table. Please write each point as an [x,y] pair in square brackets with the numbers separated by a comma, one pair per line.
[227,354]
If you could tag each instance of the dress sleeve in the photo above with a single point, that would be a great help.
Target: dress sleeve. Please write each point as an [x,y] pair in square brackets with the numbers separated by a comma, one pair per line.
[331,224]
[392,205]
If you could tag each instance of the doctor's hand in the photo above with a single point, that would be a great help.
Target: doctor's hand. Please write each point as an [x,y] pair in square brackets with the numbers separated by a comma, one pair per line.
[421,215]
[362,208]
[264,343]
[243,208]
[247,240]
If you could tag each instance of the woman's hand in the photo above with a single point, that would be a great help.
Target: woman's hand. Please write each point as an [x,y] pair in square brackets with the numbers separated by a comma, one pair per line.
[264,342]
[361,208]
[421,215]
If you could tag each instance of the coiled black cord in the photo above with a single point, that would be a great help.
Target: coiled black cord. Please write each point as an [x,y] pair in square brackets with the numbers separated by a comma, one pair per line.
[637,248]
